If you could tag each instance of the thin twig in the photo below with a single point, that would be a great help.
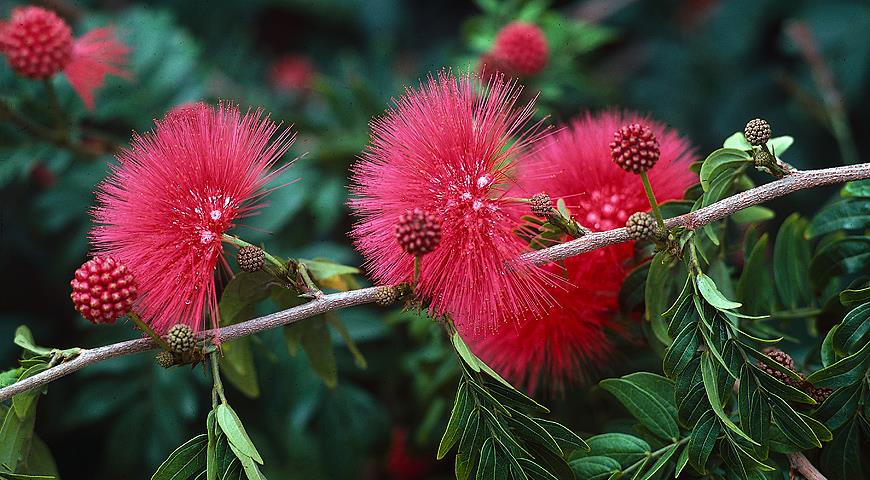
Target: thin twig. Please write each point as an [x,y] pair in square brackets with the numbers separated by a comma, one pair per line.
[823,77]
[800,463]
[796,180]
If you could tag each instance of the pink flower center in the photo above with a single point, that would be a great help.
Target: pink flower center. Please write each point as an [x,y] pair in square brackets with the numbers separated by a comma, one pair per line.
[603,210]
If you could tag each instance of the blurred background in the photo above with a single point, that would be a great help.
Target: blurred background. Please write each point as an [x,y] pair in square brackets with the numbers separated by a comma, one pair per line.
[703,66]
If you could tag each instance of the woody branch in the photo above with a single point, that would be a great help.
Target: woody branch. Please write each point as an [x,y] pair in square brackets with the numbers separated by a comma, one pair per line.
[796,180]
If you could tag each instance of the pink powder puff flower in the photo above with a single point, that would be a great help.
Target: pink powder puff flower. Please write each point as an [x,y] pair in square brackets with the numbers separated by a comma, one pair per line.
[175,191]
[521,48]
[573,338]
[39,44]
[448,148]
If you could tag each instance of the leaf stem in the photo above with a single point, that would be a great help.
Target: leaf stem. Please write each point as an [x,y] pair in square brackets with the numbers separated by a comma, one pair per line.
[651,455]
[56,110]
[151,333]
[652,201]
[216,375]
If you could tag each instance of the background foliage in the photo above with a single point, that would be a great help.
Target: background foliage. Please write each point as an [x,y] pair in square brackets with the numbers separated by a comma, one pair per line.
[704,67]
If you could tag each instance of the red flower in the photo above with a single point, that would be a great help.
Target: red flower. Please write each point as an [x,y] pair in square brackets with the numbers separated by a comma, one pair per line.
[571,339]
[174,192]
[292,73]
[402,464]
[447,148]
[38,44]
[522,48]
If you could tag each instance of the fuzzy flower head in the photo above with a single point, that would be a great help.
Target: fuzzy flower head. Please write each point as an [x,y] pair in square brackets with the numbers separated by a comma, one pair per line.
[572,339]
[38,44]
[447,148]
[164,207]
[521,48]
[292,74]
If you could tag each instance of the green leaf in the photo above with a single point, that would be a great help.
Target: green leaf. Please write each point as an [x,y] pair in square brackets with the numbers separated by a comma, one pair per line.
[778,145]
[625,449]
[847,214]
[552,462]
[514,397]
[358,359]
[631,295]
[737,141]
[498,428]
[845,371]
[656,413]
[852,297]
[211,460]
[325,272]
[841,459]
[663,459]
[843,256]
[753,214]
[232,427]
[241,294]
[594,467]
[568,440]
[829,356]
[780,389]
[854,330]
[252,471]
[19,476]
[702,440]
[664,283]
[237,366]
[314,337]
[535,471]
[462,408]
[712,295]
[486,398]
[15,436]
[186,461]
[755,287]
[766,360]
[22,402]
[681,352]
[753,409]
[24,339]
[791,260]
[469,446]
[682,461]
[839,407]
[793,425]
[720,160]
[464,352]
[493,462]
[526,429]
[708,373]
[741,460]
[860,188]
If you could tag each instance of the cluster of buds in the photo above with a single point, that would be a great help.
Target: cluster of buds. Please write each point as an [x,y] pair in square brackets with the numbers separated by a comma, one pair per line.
[418,232]
[183,348]
[819,394]
[757,132]
[251,259]
[643,226]
[635,148]
[103,290]
[541,205]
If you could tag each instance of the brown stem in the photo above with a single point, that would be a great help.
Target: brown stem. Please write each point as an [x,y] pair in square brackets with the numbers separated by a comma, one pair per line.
[800,463]
[796,180]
